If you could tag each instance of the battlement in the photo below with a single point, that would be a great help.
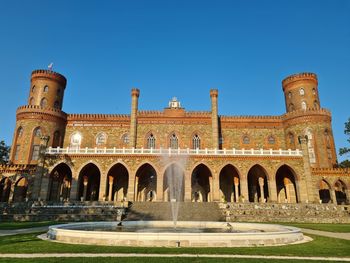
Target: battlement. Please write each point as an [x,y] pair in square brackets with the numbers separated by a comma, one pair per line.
[39,110]
[299,76]
[43,73]
[311,111]
[81,116]
[331,171]
[16,168]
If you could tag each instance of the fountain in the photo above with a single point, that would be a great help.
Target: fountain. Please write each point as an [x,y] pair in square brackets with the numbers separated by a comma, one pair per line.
[175,233]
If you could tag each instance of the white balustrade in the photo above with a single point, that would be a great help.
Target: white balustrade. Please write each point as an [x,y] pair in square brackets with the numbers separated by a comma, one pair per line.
[169,151]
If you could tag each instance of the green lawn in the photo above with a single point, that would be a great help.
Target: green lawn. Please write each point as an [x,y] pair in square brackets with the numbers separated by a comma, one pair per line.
[321,246]
[345,228]
[147,260]
[18,225]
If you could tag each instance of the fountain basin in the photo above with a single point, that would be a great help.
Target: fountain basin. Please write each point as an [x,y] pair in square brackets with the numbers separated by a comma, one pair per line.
[187,234]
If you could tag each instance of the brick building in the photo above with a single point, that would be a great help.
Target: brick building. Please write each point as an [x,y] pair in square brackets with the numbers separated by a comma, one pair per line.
[57,156]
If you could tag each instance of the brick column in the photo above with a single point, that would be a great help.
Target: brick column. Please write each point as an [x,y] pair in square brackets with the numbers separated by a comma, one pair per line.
[236,184]
[244,189]
[133,117]
[102,195]
[159,188]
[214,118]
[188,188]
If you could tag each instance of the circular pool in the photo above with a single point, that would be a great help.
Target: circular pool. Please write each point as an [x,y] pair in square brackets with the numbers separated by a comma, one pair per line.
[186,234]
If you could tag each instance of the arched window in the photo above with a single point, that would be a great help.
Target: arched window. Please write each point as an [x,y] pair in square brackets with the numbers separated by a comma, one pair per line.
[37,132]
[271,140]
[310,145]
[151,142]
[291,139]
[56,139]
[303,105]
[290,95]
[302,92]
[19,132]
[246,139]
[46,88]
[125,138]
[314,91]
[196,142]
[174,142]
[101,138]
[56,105]
[43,103]
[291,107]
[33,88]
[75,140]
[31,101]
[315,104]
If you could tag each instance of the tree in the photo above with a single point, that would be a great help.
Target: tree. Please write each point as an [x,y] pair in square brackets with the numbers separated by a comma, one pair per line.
[345,164]
[347,132]
[4,153]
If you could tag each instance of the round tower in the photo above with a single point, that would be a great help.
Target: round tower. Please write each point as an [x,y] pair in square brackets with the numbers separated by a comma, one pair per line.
[300,92]
[47,89]
[41,121]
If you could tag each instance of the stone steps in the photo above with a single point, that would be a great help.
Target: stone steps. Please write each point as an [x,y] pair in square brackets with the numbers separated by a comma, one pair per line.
[188,211]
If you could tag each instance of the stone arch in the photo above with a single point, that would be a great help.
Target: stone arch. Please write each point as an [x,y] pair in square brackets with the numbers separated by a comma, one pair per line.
[20,190]
[201,178]
[229,181]
[174,183]
[340,190]
[5,189]
[60,181]
[146,183]
[325,191]
[258,189]
[89,182]
[117,183]
[286,185]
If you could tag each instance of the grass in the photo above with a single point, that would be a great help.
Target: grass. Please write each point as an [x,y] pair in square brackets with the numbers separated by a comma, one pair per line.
[338,228]
[321,246]
[147,260]
[20,225]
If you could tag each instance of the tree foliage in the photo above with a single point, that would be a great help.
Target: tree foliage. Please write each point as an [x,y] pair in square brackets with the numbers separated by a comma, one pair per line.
[345,164]
[4,153]
[347,132]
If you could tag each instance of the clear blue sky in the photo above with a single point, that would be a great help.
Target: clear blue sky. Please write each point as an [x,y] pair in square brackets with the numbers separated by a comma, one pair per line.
[176,48]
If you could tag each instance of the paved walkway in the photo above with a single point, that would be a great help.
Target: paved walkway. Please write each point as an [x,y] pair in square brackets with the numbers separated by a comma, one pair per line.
[23,231]
[326,233]
[119,255]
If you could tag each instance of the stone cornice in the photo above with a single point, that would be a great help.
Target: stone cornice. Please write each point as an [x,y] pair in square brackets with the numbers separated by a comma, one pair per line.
[331,171]
[9,168]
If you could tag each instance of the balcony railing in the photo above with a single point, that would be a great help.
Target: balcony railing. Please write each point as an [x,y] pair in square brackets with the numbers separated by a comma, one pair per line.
[164,151]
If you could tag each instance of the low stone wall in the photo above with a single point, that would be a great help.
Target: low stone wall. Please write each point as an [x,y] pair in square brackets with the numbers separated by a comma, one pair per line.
[67,211]
[301,213]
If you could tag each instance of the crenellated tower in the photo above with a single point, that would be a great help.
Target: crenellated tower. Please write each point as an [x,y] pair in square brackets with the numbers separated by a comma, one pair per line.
[42,120]
[301,92]
[306,119]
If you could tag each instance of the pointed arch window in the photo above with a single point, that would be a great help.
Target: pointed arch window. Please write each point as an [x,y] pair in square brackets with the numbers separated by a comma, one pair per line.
[271,140]
[33,88]
[302,92]
[37,132]
[19,132]
[75,140]
[43,103]
[196,142]
[291,107]
[31,101]
[291,140]
[46,88]
[101,138]
[56,139]
[174,142]
[315,104]
[151,141]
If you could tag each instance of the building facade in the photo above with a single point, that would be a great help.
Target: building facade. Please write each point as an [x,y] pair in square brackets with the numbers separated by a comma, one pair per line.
[289,158]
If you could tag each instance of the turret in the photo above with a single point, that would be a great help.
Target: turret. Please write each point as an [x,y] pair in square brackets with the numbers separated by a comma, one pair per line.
[47,89]
[300,92]
[41,118]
